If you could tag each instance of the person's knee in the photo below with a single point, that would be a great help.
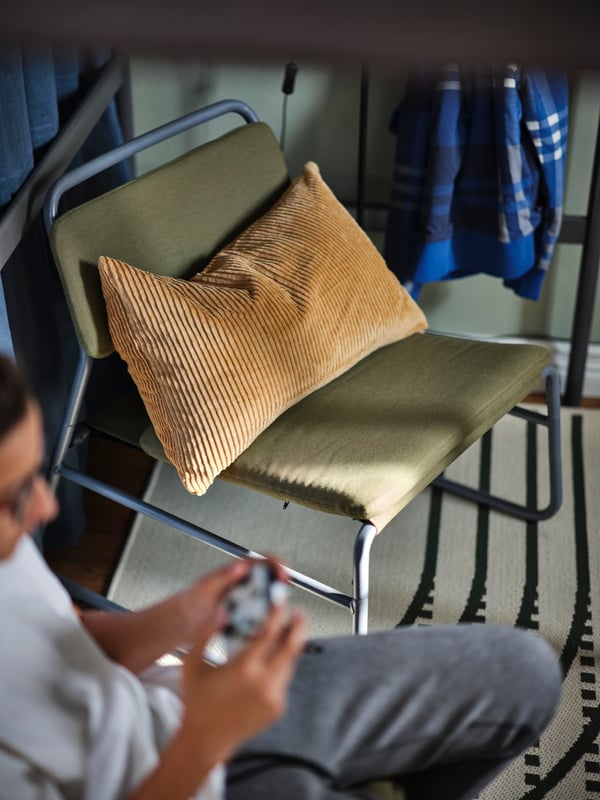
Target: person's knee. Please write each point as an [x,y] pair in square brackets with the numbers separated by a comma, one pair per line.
[533,677]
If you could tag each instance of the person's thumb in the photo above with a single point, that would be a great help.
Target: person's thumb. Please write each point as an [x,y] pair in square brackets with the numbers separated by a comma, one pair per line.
[203,633]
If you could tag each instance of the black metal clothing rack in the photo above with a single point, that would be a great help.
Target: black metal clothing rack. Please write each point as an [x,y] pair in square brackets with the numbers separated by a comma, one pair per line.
[576,229]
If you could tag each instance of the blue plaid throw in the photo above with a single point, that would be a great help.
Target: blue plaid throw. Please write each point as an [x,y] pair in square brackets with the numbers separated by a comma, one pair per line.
[478,176]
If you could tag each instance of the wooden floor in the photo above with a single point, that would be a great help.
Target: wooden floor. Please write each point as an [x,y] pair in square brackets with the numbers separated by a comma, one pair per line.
[92,561]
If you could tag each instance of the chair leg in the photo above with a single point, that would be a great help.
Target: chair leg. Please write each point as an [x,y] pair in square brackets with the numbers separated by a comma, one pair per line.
[82,375]
[362,554]
[552,422]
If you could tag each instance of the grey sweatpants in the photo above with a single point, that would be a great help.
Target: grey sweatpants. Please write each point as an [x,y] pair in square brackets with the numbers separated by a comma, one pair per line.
[443,708]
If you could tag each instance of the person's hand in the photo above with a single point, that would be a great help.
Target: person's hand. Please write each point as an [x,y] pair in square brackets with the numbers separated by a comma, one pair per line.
[226,705]
[137,639]
[201,601]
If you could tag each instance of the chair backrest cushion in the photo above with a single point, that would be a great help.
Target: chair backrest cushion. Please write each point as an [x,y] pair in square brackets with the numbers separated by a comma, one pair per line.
[170,221]
[294,301]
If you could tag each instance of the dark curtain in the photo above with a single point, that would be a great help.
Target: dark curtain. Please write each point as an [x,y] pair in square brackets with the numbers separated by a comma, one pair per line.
[38,92]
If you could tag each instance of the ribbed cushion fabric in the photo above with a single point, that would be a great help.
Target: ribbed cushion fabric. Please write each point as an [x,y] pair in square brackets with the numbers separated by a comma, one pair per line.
[293,302]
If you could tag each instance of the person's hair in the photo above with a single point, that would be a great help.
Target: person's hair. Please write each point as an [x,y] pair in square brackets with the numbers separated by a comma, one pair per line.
[13,395]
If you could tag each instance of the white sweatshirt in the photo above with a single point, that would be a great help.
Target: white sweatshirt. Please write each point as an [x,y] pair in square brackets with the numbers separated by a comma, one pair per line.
[73,724]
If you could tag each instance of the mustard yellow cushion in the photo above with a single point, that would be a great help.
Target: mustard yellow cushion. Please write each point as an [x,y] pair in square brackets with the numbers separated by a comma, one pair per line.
[294,301]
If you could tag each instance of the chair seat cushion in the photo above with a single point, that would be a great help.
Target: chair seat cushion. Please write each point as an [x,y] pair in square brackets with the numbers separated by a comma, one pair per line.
[367,443]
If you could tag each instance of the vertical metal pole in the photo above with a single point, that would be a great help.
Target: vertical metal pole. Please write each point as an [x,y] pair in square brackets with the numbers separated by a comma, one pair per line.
[362,553]
[82,374]
[125,101]
[362,145]
[586,289]
[554,444]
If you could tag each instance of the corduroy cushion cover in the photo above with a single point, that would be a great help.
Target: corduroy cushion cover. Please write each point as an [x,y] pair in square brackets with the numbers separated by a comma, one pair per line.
[293,302]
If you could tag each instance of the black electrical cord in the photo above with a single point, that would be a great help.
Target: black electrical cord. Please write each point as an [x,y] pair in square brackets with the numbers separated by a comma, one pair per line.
[283,122]
[289,81]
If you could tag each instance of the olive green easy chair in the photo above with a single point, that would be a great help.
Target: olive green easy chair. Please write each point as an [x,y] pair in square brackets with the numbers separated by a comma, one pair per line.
[381,432]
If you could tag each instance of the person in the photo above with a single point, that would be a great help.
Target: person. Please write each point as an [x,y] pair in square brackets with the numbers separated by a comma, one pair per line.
[87,712]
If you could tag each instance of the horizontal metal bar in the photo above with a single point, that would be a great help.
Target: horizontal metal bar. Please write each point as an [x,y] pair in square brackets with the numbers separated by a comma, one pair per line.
[83,594]
[136,145]
[392,36]
[530,415]
[493,501]
[140,506]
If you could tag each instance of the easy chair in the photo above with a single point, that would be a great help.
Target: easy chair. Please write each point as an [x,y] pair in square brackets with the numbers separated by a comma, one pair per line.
[362,445]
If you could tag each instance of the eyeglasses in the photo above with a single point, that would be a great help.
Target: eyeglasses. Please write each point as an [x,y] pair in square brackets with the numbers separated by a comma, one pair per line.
[17,507]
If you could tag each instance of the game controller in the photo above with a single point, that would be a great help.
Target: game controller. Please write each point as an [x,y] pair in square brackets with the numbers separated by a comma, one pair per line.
[249,602]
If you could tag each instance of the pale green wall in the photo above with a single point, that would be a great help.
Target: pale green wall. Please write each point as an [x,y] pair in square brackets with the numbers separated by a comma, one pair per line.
[322,125]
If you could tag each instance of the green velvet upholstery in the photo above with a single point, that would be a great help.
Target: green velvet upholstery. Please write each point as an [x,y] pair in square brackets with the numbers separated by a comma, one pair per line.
[367,443]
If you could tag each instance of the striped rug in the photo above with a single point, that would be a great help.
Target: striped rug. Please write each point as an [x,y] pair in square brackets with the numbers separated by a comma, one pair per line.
[441,561]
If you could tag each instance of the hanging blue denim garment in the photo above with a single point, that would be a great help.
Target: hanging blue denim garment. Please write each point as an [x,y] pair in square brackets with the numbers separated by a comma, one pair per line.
[40,93]
[16,155]
[40,325]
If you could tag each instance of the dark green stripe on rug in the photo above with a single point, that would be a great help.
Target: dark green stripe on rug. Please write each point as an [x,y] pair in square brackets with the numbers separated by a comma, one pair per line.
[420,606]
